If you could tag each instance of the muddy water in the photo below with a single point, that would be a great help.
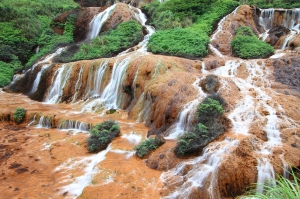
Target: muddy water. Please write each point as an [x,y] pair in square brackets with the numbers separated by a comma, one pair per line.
[49,163]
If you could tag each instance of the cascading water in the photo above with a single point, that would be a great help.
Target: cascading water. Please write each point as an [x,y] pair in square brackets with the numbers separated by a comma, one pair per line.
[266,19]
[98,21]
[95,81]
[78,83]
[38,78]
[58,83]
[112,95]
[44,122]
[74,125]
[291,21]
[187,114]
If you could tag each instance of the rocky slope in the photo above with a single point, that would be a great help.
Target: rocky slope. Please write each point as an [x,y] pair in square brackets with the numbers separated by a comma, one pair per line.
[263,107]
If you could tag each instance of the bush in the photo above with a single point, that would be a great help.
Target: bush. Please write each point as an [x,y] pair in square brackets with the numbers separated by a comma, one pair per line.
[209,126]
[127,34]
[19,115]
[247,46]
[102,134]
[149,145]
[281,188]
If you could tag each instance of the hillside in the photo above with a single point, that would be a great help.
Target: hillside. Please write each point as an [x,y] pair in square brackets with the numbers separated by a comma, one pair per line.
[148,99]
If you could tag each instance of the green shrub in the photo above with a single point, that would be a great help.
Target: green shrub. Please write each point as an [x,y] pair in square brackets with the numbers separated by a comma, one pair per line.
[281,188]
[209,126]
[149,145]
[19,115]
[127,34]
[102,134]
[247,46]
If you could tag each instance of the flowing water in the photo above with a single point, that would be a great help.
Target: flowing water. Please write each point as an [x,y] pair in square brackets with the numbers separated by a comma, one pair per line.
[98,21]
[59,81]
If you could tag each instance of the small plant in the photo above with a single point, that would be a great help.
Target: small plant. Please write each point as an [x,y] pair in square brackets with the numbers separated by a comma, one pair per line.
[102,134]
[149,145]
[281,188]
[19,115]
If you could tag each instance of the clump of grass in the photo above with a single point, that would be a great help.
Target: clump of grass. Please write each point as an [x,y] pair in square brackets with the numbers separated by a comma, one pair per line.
[102,134]
[149,145]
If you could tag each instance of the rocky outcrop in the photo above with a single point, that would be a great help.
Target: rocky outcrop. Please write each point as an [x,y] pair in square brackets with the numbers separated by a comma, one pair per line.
[100,3]
[287,72]
[120,14]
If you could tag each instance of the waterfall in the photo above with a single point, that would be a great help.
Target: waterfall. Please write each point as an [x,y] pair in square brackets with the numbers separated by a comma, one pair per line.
[112,93]
[291,19]
[38,78]
[95,79]
[44,122]
[266,19]
[287,40]
[74,125]
[78,84]
[98,21]
[59,81]
[186,114]
[141,17]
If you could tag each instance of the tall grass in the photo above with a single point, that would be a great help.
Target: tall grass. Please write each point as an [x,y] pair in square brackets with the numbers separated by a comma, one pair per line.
[281,188]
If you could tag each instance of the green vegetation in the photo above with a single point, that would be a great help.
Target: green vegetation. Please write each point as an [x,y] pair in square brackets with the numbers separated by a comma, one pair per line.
[22,23]
[127,34]
[102,134]
[148,145]
[272,3]
[19,115]
[190,37]
[210,124]
[247,46]
[281,188]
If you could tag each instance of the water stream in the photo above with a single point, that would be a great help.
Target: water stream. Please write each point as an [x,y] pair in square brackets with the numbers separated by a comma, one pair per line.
[98,21]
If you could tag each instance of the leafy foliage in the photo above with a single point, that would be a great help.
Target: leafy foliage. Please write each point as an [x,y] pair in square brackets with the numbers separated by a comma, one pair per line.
[247,46]
[209,126]
[178,42]
[190,37]
[148,145]
[127,34]
[281,188]
[22,22]
[19,115]
[273,3]
[102,134]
